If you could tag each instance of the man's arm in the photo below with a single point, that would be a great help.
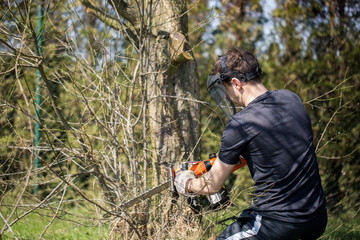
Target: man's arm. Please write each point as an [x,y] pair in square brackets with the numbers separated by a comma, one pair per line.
[212,181]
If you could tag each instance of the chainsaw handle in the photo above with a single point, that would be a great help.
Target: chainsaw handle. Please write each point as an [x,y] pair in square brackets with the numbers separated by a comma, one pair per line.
[202,167]
[205,166]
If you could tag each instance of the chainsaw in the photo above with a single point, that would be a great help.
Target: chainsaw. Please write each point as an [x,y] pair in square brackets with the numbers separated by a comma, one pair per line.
[199,168]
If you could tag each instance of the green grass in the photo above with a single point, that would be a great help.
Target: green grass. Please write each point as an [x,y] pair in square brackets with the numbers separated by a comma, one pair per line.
[344,226]
[72,225]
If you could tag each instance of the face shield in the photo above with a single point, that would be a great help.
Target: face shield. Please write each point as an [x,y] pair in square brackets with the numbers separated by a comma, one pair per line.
[218,93]
[217,90]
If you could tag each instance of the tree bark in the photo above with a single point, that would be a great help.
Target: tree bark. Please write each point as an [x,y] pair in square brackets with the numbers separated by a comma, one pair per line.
[174,119]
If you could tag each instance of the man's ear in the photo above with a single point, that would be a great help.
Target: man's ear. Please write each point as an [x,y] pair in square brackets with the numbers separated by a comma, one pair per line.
[237,83]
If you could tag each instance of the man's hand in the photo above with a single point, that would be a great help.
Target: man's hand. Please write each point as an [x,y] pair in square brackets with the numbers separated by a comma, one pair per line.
[181,179]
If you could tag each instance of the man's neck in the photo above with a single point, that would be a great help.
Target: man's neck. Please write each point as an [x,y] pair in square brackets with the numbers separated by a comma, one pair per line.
[253,92]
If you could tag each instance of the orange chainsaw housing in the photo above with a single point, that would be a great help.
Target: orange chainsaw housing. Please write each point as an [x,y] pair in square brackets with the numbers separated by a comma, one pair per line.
[199,168]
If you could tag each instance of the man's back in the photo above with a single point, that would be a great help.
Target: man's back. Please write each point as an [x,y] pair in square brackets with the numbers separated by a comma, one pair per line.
[273,133]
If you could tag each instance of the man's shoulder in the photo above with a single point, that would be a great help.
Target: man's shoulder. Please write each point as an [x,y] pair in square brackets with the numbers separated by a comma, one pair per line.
[284,93]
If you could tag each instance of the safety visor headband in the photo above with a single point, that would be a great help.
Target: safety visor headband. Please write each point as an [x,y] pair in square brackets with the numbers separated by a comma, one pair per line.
[243,77]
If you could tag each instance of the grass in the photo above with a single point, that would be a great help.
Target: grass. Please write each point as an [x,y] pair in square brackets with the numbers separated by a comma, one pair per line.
[73,224]
[32,227]
[342,226]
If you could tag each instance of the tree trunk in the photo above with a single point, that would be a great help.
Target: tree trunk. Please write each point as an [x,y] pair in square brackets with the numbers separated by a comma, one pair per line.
[173,86]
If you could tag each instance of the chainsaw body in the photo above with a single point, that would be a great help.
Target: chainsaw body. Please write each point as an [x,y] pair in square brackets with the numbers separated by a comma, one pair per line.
[215,201]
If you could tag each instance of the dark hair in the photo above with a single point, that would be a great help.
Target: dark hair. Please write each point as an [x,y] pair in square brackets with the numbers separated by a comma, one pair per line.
[237,59]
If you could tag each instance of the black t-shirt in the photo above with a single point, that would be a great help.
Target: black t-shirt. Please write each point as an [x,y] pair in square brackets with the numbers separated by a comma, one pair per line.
[274,135]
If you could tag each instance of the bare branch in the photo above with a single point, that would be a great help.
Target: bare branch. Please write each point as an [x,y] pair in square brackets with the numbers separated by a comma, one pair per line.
[114,22]
[327,125]
[55,215]
[7,224]
[126,11]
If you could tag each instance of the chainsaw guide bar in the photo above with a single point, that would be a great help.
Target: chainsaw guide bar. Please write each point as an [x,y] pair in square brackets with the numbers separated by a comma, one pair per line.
[146,195]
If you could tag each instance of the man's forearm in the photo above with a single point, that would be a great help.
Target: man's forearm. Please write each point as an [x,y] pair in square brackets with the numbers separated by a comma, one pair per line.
[204,185]
[212,181]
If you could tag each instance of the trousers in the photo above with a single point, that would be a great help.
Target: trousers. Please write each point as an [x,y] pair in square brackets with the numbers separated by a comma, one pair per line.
[250,225]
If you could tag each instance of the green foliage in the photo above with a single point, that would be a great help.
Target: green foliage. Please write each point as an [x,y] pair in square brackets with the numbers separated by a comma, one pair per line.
[313,50]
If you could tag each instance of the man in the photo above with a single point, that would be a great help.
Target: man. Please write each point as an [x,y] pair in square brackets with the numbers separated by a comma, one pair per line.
[273,133]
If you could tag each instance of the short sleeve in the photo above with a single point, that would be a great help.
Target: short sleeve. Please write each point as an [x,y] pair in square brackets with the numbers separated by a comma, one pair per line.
[233,142]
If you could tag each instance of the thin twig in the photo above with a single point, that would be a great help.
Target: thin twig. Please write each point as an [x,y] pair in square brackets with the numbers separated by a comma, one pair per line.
[7,224]
[328,123]
[56,213]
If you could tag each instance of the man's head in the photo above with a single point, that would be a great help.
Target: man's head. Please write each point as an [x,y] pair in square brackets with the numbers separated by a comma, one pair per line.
[230,74]
[238,60]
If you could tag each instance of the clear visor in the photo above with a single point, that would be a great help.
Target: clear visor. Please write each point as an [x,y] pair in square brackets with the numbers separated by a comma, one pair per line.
[222,99]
